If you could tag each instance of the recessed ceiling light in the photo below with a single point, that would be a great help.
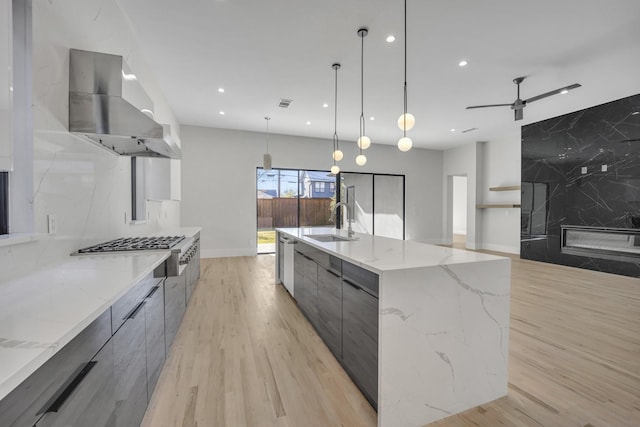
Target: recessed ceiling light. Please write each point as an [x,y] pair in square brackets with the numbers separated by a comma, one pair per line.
[372,118]
[325,105]
[221,89]
[462,63]
[221,113]
[563,91]
[390,38]
[308,123]
[452,130]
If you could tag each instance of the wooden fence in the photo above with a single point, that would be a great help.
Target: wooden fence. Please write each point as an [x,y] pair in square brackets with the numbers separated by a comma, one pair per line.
[283,212]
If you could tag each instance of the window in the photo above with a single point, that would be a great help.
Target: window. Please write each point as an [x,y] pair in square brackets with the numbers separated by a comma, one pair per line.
[4,202]
[138,196]
[332,187]
[318,187]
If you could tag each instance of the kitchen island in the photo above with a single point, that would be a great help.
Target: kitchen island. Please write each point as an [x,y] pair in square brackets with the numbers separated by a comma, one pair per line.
[442,319]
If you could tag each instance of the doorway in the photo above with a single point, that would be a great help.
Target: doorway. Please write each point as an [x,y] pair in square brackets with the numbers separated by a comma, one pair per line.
[459,212]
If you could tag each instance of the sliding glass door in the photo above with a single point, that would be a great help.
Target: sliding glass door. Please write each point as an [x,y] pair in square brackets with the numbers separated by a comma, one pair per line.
[379,203]
[292,198]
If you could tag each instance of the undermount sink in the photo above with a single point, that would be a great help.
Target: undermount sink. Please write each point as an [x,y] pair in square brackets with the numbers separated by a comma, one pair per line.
[329,238]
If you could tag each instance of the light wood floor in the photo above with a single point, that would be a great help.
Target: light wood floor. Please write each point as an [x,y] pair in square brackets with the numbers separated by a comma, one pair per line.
[245,355]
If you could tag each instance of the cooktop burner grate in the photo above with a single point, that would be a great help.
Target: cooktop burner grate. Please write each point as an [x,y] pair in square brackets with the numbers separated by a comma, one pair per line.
[134,244]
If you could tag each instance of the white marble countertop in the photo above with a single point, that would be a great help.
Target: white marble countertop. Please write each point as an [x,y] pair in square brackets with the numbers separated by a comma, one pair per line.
[380,254]
[43,311]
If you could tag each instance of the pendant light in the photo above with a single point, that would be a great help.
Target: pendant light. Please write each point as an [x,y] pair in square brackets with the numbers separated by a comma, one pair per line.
[337,154]
[406,120]
[363,141]
[266,160]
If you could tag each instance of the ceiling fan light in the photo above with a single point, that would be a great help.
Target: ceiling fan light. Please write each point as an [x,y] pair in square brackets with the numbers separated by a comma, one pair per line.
[405,143]
[337,155]
[361,160]
[364,142]
[410,121]
[335,169]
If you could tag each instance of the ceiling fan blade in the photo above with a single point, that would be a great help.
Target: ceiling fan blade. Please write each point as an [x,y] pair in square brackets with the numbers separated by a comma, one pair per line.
[553,92]
[490,105]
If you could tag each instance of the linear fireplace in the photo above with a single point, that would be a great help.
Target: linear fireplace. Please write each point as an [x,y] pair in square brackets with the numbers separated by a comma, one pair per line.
[618,244]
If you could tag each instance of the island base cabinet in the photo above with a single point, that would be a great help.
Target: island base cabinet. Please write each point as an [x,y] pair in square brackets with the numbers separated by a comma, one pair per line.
[306,287]
[130,370]
[88,399]
[330,310]
[360,339]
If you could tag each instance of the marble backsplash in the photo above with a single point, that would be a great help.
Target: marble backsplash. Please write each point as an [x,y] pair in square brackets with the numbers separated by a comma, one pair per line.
[86,188]
[581,169]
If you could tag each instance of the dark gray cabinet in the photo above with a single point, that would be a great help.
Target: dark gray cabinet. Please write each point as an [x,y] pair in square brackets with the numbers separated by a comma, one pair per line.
[340,300]
[174,307]
[306,286]
[154,336]
[30,400]
[360,337]
[330,309]
[130,368]
[88,399]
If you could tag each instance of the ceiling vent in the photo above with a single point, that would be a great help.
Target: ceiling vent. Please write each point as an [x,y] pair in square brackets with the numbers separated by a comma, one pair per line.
[284,103]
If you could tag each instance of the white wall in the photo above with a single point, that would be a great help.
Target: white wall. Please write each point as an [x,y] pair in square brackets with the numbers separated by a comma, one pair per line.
[219,182]
[502,164]
[86,188]
[459,205]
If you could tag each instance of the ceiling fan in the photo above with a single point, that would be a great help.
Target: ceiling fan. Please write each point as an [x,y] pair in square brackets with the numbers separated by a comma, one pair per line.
[518,105]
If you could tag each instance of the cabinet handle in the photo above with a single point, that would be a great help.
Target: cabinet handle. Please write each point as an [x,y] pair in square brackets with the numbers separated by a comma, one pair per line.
[333,274]
[133,313]
[350,283]
[153,291]
[63,393]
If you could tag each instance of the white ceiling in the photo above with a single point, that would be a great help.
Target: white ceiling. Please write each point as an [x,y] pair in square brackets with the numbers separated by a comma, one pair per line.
[260,51]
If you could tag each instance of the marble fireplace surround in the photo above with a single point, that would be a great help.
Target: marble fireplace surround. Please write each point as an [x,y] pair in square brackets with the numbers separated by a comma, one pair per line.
[588,164]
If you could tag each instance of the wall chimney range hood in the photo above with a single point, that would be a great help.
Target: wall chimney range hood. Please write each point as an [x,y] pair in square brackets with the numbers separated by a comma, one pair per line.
[98,110]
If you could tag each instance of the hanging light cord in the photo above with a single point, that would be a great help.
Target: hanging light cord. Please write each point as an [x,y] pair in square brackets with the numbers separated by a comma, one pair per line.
[362,130]
[404,130]
[335,117]
[267,119]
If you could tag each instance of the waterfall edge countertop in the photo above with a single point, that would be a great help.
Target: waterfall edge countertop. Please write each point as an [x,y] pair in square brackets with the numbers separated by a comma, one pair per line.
[443,323]
[44,310]
[380,254]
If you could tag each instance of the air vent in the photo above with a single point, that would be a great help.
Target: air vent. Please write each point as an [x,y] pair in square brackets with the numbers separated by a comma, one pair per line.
[284,103]
[469,130]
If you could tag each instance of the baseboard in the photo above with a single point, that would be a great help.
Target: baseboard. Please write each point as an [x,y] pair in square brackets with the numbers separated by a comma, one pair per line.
[502,248]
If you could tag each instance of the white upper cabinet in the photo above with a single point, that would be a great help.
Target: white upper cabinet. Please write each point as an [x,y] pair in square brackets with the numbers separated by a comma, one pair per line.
[6,98]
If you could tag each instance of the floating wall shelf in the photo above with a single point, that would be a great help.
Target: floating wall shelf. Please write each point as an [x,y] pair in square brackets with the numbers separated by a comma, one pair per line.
[503,206]
[505,188]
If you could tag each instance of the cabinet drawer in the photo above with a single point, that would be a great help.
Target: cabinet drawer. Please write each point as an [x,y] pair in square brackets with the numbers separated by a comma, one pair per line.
[130,300]
[24,405]
[361,277]
[92,402]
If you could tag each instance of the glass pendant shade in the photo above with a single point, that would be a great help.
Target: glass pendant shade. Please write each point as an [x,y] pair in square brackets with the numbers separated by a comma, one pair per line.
[405,143]
[364,142]
[361,160]
[410,121]
[337,155]
[335,169]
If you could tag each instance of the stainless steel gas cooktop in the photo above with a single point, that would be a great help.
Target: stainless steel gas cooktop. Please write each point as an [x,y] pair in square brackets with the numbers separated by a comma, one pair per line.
[134,244]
